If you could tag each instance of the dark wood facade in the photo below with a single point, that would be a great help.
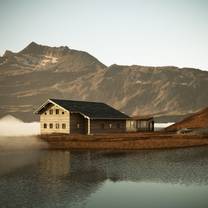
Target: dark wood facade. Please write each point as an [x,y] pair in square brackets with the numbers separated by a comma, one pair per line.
[107,126]
[79,125]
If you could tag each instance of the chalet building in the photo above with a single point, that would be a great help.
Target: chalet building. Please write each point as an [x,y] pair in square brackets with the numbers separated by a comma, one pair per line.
[140,123]
[81,117]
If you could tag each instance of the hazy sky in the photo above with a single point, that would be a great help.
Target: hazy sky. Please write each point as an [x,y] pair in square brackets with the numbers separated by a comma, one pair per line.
[144,32]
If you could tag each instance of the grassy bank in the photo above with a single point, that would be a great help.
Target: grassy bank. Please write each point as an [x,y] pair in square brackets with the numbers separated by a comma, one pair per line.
[127,141]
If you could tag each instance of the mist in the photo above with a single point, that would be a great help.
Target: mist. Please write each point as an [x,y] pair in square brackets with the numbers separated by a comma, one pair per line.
[19,144]
[11,126]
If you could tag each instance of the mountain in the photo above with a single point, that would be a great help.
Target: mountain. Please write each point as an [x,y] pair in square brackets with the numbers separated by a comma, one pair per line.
[38,72]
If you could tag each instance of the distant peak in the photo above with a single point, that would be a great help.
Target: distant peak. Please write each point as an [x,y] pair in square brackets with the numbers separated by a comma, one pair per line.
[34,48]
[33,44]
[8,53]
[116,66]
[65,47]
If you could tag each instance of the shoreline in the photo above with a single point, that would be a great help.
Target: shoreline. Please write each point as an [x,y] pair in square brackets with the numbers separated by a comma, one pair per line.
[126,141]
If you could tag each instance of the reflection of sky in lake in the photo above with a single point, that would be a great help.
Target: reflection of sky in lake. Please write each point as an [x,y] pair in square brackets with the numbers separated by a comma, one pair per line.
[171,178]
[147,194]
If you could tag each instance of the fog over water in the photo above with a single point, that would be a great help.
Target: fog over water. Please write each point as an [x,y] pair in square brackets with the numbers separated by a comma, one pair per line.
[11,126]
[19,144]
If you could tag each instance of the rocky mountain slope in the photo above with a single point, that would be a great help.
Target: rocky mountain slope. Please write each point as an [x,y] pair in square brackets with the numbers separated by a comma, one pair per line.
[29,77]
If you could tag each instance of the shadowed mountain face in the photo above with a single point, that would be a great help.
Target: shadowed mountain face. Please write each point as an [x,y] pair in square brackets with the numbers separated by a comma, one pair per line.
[36,73]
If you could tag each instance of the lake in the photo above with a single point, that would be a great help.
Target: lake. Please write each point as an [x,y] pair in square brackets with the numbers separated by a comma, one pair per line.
[102,179]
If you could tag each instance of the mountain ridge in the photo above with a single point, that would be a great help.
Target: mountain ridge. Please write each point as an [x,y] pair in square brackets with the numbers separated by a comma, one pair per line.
[29,77]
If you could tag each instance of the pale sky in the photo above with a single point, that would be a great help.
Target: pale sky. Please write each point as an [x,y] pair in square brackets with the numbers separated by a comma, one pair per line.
[143,32]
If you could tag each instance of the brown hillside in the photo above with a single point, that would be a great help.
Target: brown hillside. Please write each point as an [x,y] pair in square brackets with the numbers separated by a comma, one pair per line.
[197,120]
[38,72]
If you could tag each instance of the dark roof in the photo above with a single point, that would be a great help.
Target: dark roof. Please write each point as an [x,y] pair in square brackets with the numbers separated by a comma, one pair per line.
[94,110]
[142,117]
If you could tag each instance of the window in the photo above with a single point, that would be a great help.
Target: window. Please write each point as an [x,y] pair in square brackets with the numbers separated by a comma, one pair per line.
[118,125]
[78,126]
[143,124]
[62,112]
[57,111]
[57,125]
[102,126]
[51,111]
[110,125]
[63,126]
[132,124]
[138,124]
[45,126]
[51,125]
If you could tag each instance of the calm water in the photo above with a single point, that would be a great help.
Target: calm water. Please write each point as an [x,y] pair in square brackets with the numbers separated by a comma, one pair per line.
[159,179]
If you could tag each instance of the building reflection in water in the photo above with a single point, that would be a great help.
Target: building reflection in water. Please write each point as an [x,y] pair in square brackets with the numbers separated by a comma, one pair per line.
[55,163]
[185,166]
[63,178]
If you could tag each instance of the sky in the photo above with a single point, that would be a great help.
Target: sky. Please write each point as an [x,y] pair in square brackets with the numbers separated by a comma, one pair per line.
[127,32]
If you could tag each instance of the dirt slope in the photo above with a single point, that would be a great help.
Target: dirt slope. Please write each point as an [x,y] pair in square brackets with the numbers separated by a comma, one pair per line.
[197,120]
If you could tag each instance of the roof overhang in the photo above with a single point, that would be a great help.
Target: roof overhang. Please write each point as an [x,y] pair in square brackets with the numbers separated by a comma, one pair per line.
[110,118]
[52,102]
[37,111]
[81,114]
[140,118]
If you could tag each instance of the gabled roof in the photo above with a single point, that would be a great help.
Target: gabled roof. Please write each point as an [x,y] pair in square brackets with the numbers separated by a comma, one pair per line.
[93,110]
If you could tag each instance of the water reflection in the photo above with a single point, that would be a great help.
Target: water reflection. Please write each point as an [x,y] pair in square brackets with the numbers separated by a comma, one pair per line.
[185,166]
[55,163]
[72,179]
